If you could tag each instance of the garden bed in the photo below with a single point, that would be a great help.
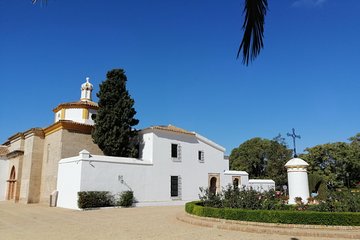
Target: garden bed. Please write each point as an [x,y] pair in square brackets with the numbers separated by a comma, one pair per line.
[276,216]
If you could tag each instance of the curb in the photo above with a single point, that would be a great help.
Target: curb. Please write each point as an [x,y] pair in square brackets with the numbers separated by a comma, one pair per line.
[271,228]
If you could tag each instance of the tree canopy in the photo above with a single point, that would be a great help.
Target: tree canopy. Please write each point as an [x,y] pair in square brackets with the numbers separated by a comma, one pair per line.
[337,163]
[114,122]
[262,158]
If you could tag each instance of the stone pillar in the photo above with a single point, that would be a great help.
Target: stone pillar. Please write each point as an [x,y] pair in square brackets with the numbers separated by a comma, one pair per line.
[298,183]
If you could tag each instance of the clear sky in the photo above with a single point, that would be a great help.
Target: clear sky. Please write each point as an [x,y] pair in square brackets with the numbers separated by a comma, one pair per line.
[180,59]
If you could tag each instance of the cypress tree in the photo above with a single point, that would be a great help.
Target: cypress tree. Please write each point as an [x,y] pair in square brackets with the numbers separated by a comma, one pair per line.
[114,121]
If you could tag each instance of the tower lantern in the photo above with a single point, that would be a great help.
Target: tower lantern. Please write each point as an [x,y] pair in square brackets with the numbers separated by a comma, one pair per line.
[86,89]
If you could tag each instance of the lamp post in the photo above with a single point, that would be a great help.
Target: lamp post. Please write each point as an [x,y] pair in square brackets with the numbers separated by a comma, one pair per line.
[348,181]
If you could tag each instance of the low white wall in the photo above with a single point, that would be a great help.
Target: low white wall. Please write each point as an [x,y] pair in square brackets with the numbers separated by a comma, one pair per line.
[4,171]
[228,178]
[117,175]
[262,185]
[68,182]
[149,181]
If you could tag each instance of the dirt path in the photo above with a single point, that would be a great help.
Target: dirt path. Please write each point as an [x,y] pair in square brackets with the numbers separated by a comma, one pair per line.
[19,221]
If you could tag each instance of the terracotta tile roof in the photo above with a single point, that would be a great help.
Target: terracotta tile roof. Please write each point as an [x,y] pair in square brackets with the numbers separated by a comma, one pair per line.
[69,125]
[78,104]
[171,128]
[3,150]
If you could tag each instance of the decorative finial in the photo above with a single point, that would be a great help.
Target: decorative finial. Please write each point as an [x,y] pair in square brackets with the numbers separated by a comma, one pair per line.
[293,135]
[87,79]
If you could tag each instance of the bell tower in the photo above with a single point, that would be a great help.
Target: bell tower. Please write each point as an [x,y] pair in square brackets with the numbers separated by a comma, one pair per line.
[86,89]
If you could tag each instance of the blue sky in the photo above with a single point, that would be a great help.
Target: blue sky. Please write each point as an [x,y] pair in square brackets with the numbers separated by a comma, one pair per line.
[180,59]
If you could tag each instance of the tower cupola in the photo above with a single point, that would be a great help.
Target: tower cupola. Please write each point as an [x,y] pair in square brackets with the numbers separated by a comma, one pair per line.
[86,89]
[79,111]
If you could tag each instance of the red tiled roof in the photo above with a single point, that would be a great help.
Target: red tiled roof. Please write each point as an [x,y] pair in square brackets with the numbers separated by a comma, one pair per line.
[171,128]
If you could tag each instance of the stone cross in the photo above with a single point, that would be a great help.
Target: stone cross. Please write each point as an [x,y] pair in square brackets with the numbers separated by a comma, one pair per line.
[294,136]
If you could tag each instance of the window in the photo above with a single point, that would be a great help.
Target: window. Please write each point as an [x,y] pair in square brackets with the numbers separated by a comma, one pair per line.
[176,152]
[201,156]
[175,186]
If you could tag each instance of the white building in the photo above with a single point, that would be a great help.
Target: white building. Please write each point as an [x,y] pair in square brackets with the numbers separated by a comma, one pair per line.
[174,163]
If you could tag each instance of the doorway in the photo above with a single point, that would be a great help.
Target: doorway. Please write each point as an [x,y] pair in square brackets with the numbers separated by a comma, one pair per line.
[11,184]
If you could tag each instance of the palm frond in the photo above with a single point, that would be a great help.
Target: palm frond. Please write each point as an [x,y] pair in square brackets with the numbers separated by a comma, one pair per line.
[252,42]
[41,1]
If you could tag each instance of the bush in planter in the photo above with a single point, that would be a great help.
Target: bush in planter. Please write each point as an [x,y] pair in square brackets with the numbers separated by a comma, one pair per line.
[126,199]
[93,199]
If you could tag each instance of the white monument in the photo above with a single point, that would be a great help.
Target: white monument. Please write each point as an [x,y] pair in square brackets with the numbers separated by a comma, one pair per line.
[297,179]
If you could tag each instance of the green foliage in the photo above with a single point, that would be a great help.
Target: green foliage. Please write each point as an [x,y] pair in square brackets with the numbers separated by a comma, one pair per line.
[114,121]
[126,199]
[232,197]
[94,199]
[275,216]
[338,163]
[317,185]
[210,199]
[262,158]
[339,201]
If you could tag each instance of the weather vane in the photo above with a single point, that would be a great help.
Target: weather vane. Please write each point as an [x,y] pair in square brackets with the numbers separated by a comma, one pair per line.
[294,136]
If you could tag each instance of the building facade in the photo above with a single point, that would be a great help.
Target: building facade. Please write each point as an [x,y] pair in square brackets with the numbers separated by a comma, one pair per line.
[173,164]
[63,159]
[29,160]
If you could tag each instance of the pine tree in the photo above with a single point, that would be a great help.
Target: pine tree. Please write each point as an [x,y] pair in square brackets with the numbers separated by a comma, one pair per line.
[114,121]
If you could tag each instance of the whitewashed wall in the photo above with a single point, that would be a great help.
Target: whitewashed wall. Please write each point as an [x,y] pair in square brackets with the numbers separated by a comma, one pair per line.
[262,185]
[90,121]
[57,116]
[146,147]
[148,177]
[244,177]
[69,181]
[74,114]
[4,170]
[193,173]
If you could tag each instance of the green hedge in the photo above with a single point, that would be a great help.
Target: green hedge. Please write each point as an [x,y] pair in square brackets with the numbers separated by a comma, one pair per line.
[94,199]
[276,216]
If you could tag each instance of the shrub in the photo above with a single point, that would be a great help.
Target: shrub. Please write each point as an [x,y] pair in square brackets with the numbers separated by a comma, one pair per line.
[93,199]
[275,216]
[230,197]
[210,199]
[240,198]
[126,199]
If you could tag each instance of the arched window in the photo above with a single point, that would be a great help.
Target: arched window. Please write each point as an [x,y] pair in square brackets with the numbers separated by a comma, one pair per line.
[236,182]
[11,184]
[213,181]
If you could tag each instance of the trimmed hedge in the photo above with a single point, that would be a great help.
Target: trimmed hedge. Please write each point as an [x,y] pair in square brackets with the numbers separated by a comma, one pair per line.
[94,199]
[276,216]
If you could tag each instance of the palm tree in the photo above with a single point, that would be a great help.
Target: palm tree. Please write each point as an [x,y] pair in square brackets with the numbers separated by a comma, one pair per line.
[253,27]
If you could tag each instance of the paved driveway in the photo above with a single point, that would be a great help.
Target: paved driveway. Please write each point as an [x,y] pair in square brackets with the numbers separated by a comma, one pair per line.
[34,221]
